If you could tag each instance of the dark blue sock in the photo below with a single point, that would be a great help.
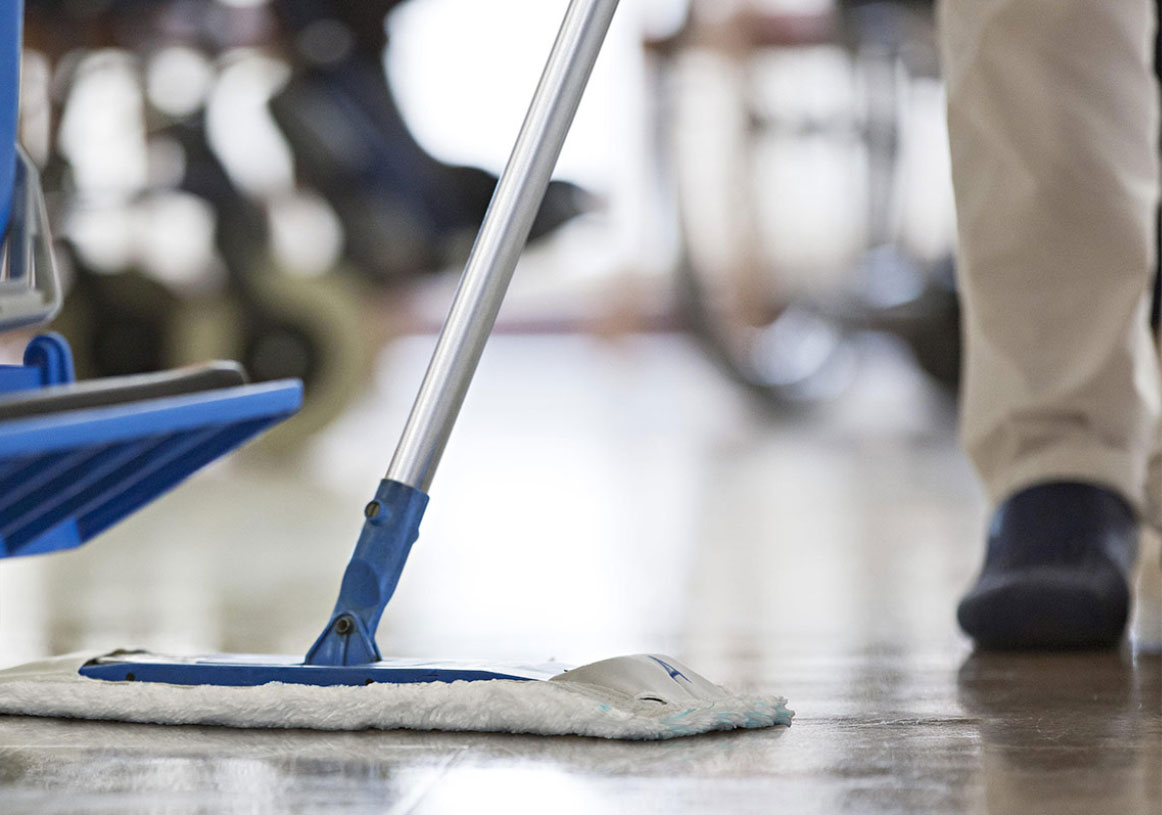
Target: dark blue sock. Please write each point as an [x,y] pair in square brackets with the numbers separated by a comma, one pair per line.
[1057,570]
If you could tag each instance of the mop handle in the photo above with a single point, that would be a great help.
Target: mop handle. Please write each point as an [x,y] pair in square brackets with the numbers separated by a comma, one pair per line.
[499,243]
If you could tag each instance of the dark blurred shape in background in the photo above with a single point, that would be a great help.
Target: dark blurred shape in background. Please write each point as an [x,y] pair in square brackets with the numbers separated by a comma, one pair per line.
[259,180]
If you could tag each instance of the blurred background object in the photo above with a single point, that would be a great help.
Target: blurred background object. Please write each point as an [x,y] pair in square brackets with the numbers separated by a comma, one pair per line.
[289,182]
[811,189]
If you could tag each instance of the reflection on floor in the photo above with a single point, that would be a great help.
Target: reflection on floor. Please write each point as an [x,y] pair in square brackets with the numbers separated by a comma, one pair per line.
[598,499]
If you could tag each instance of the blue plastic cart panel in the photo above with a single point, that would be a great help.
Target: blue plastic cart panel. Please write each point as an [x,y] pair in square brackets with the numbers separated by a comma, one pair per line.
[66,477]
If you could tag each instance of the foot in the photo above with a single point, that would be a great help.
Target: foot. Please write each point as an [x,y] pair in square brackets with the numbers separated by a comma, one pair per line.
[1057,571]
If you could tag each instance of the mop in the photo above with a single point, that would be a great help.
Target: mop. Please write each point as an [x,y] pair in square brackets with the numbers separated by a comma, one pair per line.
[344,683]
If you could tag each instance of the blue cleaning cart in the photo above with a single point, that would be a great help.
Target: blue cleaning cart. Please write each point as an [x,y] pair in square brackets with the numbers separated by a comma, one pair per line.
[76,457]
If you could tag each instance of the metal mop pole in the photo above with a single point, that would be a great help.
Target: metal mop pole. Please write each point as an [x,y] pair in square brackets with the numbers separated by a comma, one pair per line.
[393,516]
[499,243]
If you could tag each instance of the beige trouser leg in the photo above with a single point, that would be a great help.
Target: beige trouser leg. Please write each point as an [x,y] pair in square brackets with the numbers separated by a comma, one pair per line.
[1053,122]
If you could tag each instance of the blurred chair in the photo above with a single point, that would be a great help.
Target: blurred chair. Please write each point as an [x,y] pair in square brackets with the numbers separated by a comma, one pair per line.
[789,346]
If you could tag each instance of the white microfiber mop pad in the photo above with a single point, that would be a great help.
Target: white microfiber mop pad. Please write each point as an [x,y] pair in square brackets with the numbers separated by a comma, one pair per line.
[638,697]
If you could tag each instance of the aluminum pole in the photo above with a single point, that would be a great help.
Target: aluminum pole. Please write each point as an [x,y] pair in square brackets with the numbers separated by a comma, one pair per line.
[500,241]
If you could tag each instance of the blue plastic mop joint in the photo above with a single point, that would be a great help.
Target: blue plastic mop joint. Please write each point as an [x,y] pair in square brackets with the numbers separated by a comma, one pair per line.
[391,527]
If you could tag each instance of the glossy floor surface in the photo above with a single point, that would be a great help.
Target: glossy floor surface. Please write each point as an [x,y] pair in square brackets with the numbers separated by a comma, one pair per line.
[599,498]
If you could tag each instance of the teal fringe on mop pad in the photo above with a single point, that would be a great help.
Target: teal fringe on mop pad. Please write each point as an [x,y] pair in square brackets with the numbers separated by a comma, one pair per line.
[622,698]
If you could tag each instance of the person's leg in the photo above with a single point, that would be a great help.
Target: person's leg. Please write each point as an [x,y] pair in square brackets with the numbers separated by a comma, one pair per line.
[1053,123]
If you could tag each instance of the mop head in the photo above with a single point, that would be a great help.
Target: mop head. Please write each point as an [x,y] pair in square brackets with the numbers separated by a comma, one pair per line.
[636,697]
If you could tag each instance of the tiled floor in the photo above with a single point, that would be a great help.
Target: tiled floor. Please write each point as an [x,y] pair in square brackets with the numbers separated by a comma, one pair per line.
[599,498]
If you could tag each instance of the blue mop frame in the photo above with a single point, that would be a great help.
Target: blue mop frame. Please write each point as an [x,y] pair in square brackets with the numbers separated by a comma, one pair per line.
[345,653]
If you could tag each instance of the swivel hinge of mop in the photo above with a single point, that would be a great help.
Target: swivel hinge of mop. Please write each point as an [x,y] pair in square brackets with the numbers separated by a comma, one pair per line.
[391,526]
[392,519]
